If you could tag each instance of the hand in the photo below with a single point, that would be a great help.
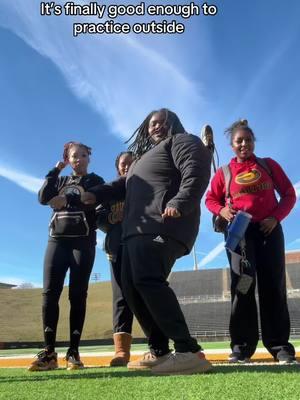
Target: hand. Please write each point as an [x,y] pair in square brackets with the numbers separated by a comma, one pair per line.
[117,213]
[171,212]
[58,202]
[267,225]
[60,165]
[227,213]
[88,198]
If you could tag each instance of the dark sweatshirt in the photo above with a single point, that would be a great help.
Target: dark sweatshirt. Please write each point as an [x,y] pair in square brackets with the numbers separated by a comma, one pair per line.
[71,186]
[109,221]
[174,173]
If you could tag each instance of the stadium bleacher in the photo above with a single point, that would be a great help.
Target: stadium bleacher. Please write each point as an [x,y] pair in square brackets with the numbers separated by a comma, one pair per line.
[293,271]
[205,299]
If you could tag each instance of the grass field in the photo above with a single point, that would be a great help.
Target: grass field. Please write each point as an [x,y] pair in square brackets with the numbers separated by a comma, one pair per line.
[255,382]
[20,319]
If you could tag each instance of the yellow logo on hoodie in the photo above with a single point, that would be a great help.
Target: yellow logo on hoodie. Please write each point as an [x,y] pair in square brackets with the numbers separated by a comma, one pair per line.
[247,178]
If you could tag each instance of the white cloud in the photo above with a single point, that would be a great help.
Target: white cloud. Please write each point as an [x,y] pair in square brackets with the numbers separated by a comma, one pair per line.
[297,189]
[122,77]
[212,255]
[27,182]
[261,74]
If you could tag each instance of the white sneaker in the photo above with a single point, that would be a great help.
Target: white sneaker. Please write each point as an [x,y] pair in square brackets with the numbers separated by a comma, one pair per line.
[183,364]
[148,361]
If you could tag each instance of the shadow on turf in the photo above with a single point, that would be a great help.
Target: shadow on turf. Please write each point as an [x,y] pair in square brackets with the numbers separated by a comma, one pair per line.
[273,368]
[89,373]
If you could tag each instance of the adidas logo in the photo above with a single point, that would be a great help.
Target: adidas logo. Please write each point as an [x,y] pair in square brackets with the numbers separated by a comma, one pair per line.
[158,239]
[47,329]
[76,332]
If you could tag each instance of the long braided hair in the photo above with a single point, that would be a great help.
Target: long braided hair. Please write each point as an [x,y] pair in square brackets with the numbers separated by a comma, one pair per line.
[142,142]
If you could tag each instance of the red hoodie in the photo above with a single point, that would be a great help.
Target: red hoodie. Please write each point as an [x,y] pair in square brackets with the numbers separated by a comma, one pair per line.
[252,189]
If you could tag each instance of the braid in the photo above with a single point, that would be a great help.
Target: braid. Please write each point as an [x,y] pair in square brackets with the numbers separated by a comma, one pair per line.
[241,124]
[68,145]
[142,142]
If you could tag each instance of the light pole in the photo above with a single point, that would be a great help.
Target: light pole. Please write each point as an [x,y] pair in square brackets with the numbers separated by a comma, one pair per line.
[207,137]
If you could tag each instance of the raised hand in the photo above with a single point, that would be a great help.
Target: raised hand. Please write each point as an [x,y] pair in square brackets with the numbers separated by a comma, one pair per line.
[60,165]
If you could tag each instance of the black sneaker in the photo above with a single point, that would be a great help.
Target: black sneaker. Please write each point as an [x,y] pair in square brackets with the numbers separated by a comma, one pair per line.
[73,360]
[238,358]
[46,361]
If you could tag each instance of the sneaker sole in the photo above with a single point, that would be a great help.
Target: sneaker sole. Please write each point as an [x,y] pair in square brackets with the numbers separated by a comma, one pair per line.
[74,367]
[201,369]
[138,367]
[288,362]
[247,361]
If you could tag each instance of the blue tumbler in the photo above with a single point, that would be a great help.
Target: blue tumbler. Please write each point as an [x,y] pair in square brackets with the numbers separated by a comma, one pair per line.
[237,229]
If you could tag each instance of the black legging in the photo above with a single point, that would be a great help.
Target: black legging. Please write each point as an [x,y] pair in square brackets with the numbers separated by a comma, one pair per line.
[60,256]
[122,315]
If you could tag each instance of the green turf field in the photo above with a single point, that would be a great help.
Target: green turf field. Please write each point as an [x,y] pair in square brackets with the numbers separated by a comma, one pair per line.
[225,382]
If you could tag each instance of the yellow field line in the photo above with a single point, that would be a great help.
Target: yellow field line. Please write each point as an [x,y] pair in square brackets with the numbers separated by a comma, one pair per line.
[103,361]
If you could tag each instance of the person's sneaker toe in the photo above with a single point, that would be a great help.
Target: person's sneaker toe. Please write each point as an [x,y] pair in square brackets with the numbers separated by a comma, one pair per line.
[148,361]
[183,364]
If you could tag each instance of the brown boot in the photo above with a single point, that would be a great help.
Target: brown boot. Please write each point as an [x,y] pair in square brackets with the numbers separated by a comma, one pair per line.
[122,343]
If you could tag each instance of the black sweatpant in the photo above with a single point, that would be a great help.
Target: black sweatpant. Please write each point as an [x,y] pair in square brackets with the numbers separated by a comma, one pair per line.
[122,315]
[60,256]
[146,263]
[267,258]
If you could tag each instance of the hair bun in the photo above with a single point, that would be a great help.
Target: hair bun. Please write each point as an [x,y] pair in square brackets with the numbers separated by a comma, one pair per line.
[244,122]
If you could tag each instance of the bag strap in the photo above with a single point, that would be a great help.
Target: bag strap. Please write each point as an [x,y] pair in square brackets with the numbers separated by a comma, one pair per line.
[263,163]
[227,177]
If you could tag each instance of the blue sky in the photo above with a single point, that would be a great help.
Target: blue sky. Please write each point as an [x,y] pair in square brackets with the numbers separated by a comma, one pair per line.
[243,62]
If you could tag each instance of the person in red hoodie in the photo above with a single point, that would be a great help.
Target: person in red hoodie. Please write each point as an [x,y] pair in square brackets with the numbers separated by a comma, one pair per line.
[252,189]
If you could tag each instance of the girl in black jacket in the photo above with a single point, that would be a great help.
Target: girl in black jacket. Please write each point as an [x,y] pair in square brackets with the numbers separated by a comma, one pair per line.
[71,245]
[109,220]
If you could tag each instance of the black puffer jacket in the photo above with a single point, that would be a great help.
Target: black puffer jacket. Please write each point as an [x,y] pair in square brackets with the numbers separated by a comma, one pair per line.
[174,173]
